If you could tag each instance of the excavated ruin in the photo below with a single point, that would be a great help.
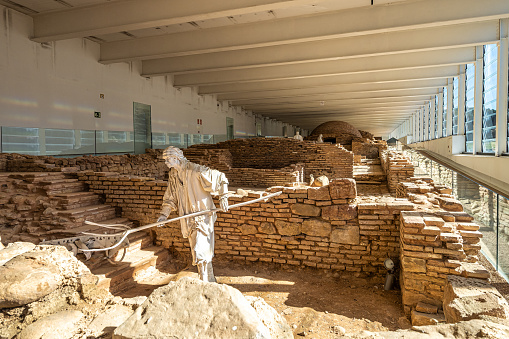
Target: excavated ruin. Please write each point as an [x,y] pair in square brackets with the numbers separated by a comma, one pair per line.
[308,262]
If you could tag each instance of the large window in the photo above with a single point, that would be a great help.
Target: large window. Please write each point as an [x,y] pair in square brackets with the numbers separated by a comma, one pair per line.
[455,102]
[489,98]
[444,114]
[469,107]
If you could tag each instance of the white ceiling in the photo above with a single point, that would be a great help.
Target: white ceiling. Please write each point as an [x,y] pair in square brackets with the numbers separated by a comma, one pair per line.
[370,63]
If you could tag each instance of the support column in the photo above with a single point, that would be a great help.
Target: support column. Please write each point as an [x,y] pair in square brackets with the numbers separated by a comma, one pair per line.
[461,101]
[426,122]
[479,51]
[432,121]
[440,113]
[503,77]
[450,93]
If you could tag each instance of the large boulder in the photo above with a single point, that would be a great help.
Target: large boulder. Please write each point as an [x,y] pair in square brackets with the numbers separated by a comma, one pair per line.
[61,325]
[190,308]
[344,188]
[470,298]
[35,274]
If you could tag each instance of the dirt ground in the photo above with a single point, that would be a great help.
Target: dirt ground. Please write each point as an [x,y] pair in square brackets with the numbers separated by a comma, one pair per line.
[315,304]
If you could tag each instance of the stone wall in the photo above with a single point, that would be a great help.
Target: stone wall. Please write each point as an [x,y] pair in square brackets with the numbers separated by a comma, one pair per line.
[397,167]
[368,148]
[321,227]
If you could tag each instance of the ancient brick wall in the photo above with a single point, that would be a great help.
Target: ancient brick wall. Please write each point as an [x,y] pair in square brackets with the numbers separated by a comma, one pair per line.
[148,164]
[397,167]
[368,150]
[319,227]
[277,153]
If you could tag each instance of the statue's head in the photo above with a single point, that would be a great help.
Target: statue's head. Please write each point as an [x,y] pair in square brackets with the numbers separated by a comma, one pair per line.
[173,157]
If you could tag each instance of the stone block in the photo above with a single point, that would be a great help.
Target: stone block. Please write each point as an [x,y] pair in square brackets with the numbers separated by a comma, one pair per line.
[288,228]
[267,228]
[339,212]
[343,188]
[248,229]
[306,210]
[319,193]
[469,298]
[316,227]
[346,235]
[426,308]
[450,204]
[422,319]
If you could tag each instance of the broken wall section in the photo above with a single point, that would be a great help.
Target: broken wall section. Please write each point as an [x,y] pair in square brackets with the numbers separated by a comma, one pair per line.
[397,167]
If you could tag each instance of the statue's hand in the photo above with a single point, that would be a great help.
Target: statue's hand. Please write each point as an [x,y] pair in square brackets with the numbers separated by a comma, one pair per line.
[223,203]
[161,218]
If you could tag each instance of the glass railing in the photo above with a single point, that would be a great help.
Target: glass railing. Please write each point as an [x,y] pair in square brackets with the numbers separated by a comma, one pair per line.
[489,209]
[75,142]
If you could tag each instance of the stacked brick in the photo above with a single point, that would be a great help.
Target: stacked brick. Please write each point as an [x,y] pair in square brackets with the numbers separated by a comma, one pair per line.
[320,227]
[435,245]
[148,164]
[278,153]
[397,167]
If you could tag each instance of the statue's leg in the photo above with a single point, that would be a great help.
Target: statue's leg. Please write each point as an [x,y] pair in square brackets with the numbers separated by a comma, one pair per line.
[204,250]
[210,272]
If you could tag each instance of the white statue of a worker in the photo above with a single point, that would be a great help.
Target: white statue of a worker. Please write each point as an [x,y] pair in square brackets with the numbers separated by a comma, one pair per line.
[189,189]
[297,136]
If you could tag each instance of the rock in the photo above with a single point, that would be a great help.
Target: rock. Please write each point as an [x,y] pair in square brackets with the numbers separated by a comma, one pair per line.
[61,325]
[339,330]
[190,308]
[14,249]
[109,319]
[473,270]
[288,228]
[248,229]
[469,298]
[316,227]
[306,210]
[339,212]
[422,319]
[321,181]
[344,188]
[346,235]
[415,265]
[426,308]
[450,204]
[267,228]
[319,193]
[35,274]
[277,325]
[25,281]
[462,330]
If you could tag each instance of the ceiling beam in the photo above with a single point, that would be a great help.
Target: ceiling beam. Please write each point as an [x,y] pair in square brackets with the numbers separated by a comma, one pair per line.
[346,23]
[436,38]
[288,111]
[426,59]
[292,93]
[441,72]
[333,96]
[128,15]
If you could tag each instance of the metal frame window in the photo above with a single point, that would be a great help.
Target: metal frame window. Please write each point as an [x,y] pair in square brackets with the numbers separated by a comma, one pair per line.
[469,107]
[489,98]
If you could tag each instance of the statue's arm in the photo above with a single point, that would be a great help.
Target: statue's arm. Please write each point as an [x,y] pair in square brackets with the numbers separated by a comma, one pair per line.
[216,181]
[169,203]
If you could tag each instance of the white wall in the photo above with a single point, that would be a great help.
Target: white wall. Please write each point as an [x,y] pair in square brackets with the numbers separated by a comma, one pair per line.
[59,85]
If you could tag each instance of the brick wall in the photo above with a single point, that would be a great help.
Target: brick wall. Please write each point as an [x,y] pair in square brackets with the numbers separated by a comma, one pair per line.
[321,227]
[277,153]
[397,167]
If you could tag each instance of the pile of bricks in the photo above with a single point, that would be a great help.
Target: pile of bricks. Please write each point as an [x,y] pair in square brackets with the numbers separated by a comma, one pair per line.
[435,245]
[424,191]
[397,167]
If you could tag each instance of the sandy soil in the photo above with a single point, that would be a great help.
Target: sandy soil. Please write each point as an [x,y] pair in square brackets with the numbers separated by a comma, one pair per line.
[315,304]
